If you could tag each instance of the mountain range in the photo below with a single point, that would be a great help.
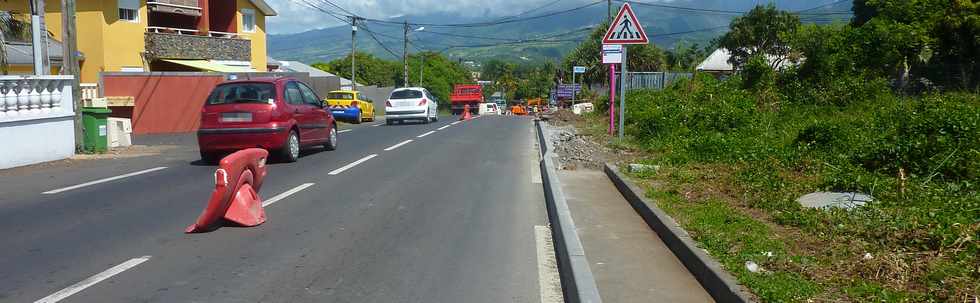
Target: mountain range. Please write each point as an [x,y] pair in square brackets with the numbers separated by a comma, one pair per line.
[546,34]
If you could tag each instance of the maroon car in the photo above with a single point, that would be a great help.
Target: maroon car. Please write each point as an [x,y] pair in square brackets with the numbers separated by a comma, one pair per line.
[281,115]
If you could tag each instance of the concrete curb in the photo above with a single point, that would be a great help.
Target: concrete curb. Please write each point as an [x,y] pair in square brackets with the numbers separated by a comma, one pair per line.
[721,285]
[578,284]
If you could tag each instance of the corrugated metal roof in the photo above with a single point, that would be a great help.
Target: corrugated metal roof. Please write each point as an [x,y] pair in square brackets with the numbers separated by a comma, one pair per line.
[23,52]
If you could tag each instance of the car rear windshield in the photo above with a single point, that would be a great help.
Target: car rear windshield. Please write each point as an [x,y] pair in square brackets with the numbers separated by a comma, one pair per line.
[340,96]
[242,93]
[406,94]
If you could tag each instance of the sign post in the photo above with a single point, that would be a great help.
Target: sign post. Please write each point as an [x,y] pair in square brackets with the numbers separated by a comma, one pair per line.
[625,29]
[576,70]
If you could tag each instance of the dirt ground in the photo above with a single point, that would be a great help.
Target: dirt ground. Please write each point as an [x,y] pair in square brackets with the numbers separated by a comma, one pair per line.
[577,147]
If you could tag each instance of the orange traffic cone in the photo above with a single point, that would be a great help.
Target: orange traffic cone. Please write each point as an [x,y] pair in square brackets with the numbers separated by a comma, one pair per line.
[466,113]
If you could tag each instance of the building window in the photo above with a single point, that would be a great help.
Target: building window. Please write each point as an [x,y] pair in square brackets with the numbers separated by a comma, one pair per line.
[129,10]
[248,20]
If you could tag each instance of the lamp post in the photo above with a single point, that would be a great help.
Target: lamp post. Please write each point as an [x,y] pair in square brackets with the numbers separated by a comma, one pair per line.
[422,58]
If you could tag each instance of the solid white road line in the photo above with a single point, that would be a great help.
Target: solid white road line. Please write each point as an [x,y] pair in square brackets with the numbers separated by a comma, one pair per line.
[99,277]
[398,145]
[55,191]
[379,124]
[343,131]
[548,282]
[286,194]
[348,166]
[454,123]
[426,134]
[444,127]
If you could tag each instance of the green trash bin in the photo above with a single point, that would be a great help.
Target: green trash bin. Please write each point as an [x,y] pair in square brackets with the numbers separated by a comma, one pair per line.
[95,120]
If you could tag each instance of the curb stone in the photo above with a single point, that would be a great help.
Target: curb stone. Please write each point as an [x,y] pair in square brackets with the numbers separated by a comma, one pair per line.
[721,285]
[578,283]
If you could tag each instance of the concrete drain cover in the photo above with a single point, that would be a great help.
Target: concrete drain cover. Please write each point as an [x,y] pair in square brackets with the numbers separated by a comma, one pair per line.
[825,200]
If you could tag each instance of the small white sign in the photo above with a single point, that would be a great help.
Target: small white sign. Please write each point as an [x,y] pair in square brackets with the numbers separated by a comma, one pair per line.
[578,69]
[612,57]
[612,48]
[102,130]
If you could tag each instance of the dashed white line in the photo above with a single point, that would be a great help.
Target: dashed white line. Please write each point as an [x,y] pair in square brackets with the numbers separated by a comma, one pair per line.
[349,166]
[286,194]
[548,282]
[426,134]
[398,145]
[454,123]
[88,282]
[444,127]
[344,131]
[55,191]
[379,124]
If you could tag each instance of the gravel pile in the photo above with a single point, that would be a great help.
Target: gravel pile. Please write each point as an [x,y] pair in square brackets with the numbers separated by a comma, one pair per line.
[576,150]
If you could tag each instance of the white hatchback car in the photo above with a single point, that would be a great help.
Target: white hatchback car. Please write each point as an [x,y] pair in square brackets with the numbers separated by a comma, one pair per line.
[411,103]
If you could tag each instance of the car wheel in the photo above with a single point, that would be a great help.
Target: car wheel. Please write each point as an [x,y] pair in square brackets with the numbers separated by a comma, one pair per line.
[331,139]
[290,151]
[357,120]
[389,122]
[210,158]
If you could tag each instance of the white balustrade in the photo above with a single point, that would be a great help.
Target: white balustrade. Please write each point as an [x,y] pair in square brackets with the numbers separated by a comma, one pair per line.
[35,97]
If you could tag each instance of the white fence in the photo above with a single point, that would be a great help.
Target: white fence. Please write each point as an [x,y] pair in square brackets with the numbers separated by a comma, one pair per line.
[36,119]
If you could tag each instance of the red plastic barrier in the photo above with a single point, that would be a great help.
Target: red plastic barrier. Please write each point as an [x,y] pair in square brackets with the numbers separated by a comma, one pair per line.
[236,191]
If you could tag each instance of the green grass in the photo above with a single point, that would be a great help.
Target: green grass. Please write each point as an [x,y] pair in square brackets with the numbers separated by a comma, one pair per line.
[733,167]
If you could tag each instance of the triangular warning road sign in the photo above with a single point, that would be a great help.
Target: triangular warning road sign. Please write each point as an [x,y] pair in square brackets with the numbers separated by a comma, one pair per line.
[625,29]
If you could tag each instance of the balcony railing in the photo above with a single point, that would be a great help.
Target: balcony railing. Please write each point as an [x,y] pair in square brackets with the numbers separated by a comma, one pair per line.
[178,43]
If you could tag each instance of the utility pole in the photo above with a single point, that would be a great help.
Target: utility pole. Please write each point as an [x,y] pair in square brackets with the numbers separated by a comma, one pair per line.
[421,67]
[39,38]
[405,54]
[609,12]
[69,64]
[353,52]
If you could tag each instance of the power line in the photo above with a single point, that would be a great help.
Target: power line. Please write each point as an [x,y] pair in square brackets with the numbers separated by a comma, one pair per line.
[372,34]
[491,23]
[530,11]
[727,12]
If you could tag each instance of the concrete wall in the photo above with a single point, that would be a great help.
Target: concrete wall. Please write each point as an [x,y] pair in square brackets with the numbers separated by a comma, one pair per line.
[36,131]
[164,102]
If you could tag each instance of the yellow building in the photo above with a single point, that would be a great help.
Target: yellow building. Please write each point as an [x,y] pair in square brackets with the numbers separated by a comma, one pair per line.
[162,35]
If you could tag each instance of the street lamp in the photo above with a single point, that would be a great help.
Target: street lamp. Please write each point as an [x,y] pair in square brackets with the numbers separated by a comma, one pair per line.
[422,58]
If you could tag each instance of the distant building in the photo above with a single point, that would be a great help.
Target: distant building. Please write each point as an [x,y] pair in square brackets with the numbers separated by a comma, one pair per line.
[717,63]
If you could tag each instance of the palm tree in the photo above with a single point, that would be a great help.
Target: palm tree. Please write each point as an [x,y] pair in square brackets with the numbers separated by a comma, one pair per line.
[12,27]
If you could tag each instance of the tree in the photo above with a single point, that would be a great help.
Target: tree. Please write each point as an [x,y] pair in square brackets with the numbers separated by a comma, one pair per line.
[763,30]
[10,28]
[371,70]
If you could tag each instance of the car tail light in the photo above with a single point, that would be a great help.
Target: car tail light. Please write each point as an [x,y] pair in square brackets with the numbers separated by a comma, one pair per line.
[388,103]
[422,102]
[353,104]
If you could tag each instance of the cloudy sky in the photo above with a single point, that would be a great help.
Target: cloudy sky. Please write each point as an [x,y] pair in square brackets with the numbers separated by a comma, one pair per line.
[295,17]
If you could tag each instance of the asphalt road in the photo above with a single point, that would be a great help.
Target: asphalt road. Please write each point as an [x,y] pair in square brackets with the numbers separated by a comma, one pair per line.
[448,217]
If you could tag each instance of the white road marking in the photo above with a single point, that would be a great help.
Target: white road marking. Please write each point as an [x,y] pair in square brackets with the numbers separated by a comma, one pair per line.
[548,281]
[398,145]
[444,127]
[349,166]
[286,194]
[344,131]
[88,282]
[454,123]
[379,124]
[55,191]
[426,134]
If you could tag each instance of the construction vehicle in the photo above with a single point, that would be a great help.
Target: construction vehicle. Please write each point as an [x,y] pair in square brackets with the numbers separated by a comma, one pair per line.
[466,94]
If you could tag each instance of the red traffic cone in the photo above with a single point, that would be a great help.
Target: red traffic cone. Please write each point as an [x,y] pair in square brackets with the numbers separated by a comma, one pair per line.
[466,113]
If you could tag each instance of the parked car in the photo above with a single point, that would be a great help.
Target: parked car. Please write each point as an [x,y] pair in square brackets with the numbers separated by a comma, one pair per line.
[350,106]
[282,115]
[411,103]
[488,109]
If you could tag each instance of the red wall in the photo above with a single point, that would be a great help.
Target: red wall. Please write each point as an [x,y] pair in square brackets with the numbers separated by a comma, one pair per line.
[164,103]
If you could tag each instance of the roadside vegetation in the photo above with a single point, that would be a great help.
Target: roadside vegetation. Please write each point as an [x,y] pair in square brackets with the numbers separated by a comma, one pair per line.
[886,106]
[439,74]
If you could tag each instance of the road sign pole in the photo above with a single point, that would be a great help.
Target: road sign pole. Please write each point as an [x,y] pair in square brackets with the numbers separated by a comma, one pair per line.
[573,87]
[622,92]
[612,98]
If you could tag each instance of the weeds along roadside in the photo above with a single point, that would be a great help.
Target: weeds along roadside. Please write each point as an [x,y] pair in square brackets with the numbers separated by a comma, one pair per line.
[733,163]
